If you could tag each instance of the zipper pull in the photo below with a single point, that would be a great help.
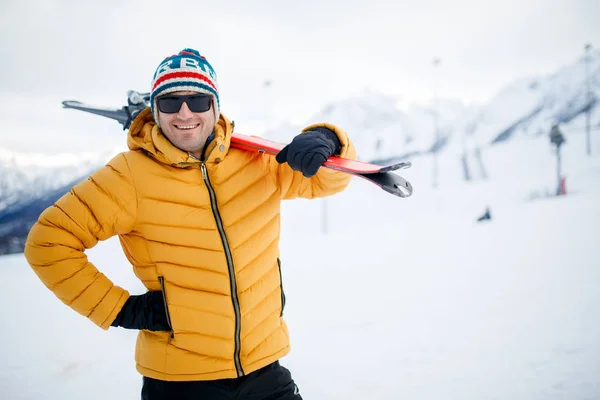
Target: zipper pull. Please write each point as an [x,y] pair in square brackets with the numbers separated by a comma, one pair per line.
[204,170]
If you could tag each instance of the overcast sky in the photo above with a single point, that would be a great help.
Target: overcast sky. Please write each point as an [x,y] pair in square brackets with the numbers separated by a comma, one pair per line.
[314,52]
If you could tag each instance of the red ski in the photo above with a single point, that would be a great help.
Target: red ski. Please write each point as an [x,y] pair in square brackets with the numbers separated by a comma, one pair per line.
[380,175]
[262,145]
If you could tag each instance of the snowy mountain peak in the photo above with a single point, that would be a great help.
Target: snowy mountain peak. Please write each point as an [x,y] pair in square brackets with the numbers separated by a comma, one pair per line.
[381,129]
[530,106]
[27,160]
[361,110]
[29,175]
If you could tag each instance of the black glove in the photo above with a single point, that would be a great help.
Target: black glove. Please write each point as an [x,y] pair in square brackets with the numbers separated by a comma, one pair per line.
[309,150]
[146,311]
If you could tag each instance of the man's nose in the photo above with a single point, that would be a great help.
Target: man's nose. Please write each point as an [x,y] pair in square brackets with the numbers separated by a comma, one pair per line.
[184,112]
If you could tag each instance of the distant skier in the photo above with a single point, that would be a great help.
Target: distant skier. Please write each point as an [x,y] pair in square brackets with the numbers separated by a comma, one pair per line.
[556,136]
[199,222]
[487,215]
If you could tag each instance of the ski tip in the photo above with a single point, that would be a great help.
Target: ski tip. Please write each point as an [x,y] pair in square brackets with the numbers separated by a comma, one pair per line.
[390,182]
[69,103]
[403,189]
[394,167]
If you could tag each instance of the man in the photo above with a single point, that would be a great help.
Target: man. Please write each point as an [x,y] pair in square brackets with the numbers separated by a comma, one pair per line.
[199,222]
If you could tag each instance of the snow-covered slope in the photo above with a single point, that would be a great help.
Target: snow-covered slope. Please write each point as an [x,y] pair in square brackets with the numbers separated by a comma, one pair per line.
[530,106]
[379,128]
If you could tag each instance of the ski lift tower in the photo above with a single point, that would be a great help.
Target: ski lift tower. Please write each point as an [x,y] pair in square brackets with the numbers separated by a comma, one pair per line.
[557,139]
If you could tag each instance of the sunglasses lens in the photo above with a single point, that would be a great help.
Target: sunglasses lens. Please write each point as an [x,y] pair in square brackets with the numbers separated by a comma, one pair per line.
[172,104]
[199,104]
[169,104]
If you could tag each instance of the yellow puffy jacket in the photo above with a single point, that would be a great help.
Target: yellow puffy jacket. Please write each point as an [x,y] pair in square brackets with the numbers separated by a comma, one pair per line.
[204,233]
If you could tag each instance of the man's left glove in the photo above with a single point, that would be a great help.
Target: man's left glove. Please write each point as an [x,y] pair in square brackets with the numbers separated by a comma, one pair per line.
[145,311]
[309,150]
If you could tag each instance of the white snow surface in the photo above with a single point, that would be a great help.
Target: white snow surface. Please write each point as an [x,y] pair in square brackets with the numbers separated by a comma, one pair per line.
[388,298]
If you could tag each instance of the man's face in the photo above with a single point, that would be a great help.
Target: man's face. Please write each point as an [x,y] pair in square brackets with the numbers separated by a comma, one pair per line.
[185,129]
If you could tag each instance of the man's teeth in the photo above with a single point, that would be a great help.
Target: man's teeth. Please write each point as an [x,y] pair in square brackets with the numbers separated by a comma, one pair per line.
[187,126]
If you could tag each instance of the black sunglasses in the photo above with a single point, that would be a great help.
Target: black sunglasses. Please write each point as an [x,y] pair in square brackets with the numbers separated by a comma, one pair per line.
[197,103]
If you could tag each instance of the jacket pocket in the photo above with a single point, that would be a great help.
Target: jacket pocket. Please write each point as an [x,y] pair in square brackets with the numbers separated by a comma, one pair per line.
[281,287]
[161,279]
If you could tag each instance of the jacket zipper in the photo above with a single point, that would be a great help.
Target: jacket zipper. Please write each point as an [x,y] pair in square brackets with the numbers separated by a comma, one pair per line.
[281,287]
[161,279]
[233,284]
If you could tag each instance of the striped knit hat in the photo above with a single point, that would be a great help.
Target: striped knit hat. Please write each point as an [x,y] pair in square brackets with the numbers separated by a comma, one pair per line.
[186,71]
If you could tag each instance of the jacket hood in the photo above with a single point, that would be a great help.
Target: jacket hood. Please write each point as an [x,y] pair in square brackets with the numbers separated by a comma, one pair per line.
[145,135]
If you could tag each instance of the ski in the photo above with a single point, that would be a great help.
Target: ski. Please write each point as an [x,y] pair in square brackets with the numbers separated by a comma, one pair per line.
[380,175]
[262,145]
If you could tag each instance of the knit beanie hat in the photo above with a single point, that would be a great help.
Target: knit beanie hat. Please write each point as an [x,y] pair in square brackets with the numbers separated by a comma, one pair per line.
[185,71]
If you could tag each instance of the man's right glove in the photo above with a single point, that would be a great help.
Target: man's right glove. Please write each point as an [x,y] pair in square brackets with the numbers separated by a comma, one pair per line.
[146,311]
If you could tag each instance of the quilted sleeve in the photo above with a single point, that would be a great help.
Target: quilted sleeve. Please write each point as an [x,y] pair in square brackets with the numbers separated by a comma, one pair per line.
[102,206]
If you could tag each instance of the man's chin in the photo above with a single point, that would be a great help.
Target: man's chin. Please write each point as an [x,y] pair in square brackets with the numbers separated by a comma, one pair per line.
[190,147]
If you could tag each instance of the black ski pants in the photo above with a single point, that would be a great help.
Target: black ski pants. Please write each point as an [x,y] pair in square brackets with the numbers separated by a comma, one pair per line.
[273,382]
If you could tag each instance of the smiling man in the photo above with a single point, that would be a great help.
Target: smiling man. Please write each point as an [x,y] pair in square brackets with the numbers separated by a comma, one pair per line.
[199,222]
[186,129]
